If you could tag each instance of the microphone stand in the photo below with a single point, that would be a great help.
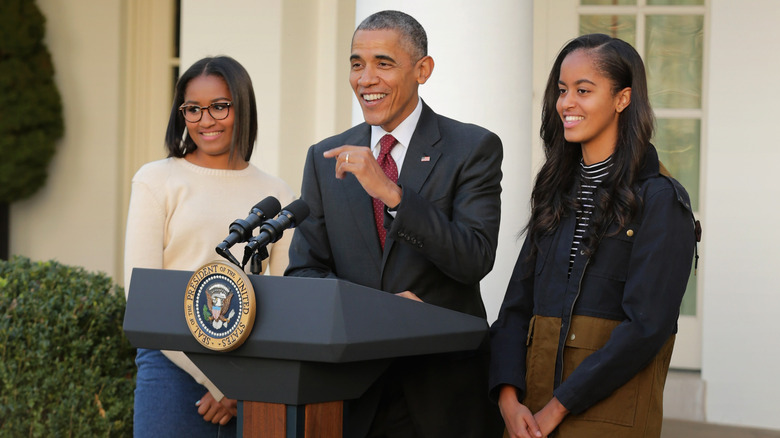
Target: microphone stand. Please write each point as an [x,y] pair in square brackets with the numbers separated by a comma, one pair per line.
[256,261]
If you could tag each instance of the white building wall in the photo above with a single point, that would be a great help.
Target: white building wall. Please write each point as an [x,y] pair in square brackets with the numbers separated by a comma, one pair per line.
[250,32]
[740,256]
[482,53]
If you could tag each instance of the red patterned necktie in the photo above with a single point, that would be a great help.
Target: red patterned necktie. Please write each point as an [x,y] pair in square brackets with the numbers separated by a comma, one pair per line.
[387,164]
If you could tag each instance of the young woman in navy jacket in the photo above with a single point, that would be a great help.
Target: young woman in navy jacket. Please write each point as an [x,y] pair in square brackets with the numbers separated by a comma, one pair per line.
[584,337]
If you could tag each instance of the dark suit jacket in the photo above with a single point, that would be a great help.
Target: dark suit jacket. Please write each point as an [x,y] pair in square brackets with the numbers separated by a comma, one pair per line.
[441,243]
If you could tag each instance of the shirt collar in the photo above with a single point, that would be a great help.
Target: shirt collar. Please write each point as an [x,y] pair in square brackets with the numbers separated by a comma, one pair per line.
[403,132]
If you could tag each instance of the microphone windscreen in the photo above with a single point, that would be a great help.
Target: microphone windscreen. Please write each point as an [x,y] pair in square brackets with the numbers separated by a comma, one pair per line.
[270,206]
[299,210]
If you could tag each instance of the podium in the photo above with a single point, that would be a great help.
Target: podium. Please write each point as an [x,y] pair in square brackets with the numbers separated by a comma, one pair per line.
[315,342]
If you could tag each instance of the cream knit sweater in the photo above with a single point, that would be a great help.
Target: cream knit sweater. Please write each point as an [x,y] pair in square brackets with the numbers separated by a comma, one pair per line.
[180,212]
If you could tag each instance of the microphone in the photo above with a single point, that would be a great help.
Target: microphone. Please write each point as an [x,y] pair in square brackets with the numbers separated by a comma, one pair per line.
[272,229]
[241,230]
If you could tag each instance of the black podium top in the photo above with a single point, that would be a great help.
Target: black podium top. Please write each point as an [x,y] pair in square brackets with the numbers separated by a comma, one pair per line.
[301,324]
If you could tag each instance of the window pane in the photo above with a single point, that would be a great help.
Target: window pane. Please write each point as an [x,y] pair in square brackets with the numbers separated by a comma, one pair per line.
[608,2]
[674,60]
[675,2]
[688,306]
[616,26]
[677,142]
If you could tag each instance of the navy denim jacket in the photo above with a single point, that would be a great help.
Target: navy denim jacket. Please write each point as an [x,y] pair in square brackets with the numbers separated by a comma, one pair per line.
[637,276]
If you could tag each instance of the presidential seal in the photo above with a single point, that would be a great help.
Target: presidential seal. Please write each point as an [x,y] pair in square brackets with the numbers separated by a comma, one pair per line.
[219,306]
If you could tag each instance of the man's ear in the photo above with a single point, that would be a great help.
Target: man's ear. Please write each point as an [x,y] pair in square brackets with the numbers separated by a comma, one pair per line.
[623,99]
[424,69]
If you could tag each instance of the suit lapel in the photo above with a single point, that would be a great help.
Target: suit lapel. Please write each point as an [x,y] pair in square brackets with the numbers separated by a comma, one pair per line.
[421,158]
[359,202]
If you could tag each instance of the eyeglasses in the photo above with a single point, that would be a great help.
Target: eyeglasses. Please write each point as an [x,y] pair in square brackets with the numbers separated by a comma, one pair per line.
[217,111]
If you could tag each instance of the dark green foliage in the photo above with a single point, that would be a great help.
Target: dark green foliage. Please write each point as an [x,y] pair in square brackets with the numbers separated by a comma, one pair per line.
[30,106]
[66,368]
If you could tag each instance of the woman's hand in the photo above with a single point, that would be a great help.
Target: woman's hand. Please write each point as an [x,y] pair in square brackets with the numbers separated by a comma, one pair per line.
[551,416]
[520,422]
[217,412]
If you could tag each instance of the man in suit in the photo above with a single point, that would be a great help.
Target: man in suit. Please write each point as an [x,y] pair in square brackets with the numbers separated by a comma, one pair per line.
[429,236]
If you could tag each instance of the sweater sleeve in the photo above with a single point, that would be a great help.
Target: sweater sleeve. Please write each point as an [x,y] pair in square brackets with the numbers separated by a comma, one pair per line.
[145,231]
[182,361]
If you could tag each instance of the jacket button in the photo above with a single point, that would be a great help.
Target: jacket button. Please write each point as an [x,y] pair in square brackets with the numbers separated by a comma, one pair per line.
[630,233]
[573,336]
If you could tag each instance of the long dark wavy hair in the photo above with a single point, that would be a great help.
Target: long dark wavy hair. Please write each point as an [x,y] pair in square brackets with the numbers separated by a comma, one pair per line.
[243,96]
[554,193]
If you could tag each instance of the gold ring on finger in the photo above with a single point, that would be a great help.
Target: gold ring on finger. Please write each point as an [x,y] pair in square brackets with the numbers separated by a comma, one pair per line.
[347,160]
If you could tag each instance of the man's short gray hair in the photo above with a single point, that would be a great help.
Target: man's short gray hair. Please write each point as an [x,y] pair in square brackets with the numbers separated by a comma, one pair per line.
[410,29]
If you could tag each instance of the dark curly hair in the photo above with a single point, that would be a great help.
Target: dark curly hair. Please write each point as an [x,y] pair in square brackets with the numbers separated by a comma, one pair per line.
[554,189]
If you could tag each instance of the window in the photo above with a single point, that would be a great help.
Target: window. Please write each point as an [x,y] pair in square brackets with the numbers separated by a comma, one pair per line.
[669,35]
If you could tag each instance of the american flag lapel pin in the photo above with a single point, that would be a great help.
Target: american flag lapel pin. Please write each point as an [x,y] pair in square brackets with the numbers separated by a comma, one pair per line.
[425,158]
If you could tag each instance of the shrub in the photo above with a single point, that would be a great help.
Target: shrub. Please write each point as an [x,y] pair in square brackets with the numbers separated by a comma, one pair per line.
[66,368]
[30,106]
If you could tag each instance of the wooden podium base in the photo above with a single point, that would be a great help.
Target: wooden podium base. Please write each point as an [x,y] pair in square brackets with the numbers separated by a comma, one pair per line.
[275,420]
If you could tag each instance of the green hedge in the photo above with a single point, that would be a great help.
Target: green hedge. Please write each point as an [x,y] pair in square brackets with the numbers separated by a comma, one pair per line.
[66,368]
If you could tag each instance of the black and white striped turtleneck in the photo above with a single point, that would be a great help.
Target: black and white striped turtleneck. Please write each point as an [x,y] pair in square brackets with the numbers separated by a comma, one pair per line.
[590,177]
